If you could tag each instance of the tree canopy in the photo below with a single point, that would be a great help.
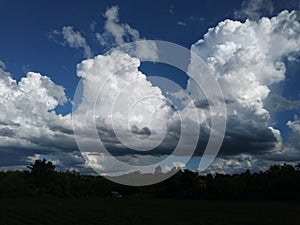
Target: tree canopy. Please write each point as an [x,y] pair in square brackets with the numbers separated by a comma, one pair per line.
[278,182]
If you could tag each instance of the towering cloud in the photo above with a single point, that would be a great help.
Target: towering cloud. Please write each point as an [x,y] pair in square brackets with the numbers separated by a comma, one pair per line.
[118,92]
[28,122]
[246,58]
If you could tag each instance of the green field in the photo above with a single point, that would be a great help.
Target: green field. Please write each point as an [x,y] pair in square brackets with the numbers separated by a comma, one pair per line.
[135,211]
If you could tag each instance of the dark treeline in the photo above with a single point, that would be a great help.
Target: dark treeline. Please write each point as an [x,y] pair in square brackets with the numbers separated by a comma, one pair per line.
[279,182]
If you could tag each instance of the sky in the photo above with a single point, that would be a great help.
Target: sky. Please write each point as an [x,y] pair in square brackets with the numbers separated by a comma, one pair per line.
[69,93]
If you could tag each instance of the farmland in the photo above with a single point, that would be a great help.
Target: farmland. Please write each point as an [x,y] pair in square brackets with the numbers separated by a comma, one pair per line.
[134,210]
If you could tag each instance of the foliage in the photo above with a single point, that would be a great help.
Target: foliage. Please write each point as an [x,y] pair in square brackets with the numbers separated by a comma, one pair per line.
[279,182]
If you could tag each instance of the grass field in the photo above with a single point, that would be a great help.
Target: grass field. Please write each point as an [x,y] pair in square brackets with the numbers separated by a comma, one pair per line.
[129,211]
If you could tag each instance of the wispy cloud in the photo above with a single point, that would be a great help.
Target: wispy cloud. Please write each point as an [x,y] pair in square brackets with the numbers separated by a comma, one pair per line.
[180,23]
[76,40]
[171,9]
[26,68]
[254,9]
[283,104]
[117,33]
[196,18]
[2,65]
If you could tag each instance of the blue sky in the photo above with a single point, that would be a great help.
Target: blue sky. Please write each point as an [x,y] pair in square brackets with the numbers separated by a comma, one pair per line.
[26,45]
[32,40]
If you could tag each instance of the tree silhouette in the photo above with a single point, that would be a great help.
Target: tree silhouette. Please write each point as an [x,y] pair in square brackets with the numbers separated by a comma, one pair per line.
[43,177]
[278,182]
[41,167]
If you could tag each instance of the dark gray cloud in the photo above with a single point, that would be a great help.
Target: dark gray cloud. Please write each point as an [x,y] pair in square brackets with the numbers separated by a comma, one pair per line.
[202,104]
[288,155]
[9,123]
[247,137]
[61,129]
[16,159]
[241,137]
[17,156]
[7,132]
[145,131]
[106,135]
[57,141]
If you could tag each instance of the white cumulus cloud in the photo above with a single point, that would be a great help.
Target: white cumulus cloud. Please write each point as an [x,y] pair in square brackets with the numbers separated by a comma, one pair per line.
[28,123]
[246,58]
[121,98]
[295,135]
